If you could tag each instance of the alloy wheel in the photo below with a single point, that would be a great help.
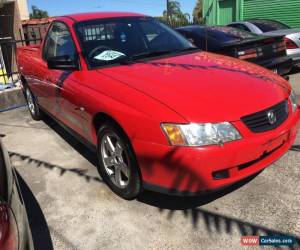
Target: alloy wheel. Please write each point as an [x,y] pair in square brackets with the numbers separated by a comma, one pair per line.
[115,159]
[30,101]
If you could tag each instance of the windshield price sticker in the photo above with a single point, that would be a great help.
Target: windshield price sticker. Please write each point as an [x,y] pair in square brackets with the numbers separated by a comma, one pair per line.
[109,55]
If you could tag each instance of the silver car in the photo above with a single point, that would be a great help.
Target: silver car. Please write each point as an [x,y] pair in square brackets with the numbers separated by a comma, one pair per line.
[274,28]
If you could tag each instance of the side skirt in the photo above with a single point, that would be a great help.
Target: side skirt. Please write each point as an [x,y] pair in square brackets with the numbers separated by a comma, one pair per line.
[73,133]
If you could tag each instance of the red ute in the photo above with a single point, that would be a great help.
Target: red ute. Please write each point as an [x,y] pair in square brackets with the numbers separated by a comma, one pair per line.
[161,114]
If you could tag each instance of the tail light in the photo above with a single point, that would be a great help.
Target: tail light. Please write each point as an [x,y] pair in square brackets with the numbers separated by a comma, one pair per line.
[279,46]
[247,54]
[290,44]
[8,229]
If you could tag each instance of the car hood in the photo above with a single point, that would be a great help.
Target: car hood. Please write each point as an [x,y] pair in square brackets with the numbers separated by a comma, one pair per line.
[283,32]
[204,87]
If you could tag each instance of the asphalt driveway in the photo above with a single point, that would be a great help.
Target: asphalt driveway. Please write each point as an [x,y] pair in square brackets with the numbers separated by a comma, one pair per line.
[71,208]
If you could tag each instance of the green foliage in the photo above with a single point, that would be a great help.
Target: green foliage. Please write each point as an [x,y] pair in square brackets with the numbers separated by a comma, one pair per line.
[37,13]
[175,14]
[197,12]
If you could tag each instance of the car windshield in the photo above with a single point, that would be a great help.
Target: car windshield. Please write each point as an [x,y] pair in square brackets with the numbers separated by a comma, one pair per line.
[225,34]
[269,25]
[117,40]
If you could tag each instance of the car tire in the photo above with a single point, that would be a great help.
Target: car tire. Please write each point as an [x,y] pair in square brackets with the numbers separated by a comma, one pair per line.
[33,107]
[117,162]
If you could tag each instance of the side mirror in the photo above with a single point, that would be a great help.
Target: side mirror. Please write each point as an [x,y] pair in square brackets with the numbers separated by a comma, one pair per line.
[62,63]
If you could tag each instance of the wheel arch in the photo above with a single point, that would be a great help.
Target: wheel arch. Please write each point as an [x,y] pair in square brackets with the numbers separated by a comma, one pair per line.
[101,118]
[23,80]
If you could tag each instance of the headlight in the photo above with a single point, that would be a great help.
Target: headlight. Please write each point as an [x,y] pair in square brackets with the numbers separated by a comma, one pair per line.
[200,134]
[293,101]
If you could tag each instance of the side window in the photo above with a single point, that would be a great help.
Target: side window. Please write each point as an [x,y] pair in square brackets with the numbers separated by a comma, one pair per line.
[59,42]
[240,26]
[151,31]
[182,32]
[157,37]
[244,27]
[191,37]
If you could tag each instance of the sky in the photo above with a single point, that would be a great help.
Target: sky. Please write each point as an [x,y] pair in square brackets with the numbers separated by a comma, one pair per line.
[148,7]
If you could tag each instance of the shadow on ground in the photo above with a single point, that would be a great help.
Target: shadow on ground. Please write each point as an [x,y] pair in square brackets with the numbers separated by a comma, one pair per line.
[73,142]
[213,221]
[186,178]
[295,70]
[295,148]
[38,224]
[62,170]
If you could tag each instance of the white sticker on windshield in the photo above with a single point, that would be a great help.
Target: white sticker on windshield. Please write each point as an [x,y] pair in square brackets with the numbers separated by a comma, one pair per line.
[109,55]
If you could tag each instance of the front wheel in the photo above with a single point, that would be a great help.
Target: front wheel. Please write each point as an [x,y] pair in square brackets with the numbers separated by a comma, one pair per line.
[32,104]
[117,163]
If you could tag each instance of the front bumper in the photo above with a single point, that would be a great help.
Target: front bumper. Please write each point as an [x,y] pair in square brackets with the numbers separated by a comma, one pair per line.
[193,169]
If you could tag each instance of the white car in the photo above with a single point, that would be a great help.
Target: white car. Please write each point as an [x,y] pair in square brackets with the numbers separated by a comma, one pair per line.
[274,28]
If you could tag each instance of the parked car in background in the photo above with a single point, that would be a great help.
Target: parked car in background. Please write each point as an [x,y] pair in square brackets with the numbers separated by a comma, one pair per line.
[15,232]
[267,52]
[274,28]
[160,113]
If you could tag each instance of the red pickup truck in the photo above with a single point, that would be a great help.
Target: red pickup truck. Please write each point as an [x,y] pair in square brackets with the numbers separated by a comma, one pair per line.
[161,114]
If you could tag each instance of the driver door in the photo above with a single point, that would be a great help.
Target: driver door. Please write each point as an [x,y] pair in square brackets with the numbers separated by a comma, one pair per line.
[62,89]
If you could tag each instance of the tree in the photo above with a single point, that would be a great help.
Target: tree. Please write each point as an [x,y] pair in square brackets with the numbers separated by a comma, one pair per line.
[197,12]
[37,13]
[175,14]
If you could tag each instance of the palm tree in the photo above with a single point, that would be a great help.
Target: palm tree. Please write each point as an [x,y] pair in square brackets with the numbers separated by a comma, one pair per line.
[197,12]
[174,9]
[175,13]
[38,13]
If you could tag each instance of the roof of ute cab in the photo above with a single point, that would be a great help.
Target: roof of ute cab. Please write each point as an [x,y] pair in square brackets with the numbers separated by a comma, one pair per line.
[79,17]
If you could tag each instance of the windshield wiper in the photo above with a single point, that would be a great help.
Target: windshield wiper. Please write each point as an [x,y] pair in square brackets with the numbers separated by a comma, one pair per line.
[161,52]
[150,53]
[145,55]
[131,59]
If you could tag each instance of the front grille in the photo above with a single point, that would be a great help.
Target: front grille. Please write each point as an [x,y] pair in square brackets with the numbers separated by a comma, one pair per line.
[260,121]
